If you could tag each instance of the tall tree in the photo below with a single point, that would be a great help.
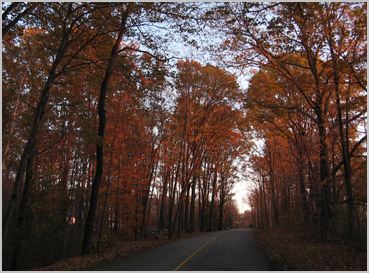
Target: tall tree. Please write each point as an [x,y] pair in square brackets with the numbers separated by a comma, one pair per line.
[67,15]
[288,39]
[101,130]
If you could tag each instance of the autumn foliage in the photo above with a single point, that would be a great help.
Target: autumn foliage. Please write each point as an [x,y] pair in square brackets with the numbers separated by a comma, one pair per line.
[308,106]
[106,136]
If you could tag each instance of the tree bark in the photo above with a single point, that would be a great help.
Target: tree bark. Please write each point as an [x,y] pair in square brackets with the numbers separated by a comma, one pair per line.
[23,207]
[186,213]
[86,245]
[213,193]
[162,215]
[325,200]
[32,139]
[192,209]
[107,191]
[147,192]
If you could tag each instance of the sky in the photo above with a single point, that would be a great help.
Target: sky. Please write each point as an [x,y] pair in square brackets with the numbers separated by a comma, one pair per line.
[241,190]
[182,51]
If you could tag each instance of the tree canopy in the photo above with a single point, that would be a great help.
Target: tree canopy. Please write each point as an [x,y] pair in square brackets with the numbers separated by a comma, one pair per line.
[109,131]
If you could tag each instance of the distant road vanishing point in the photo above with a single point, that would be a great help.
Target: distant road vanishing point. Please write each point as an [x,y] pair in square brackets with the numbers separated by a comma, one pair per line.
[233,250]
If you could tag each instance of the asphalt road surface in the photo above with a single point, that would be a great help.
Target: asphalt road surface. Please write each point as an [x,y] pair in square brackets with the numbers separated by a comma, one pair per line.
[222,251]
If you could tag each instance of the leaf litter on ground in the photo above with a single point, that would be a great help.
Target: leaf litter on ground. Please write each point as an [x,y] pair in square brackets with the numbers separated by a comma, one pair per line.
[293,250]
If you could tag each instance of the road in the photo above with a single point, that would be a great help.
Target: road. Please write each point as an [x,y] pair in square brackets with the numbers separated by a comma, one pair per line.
[231,250]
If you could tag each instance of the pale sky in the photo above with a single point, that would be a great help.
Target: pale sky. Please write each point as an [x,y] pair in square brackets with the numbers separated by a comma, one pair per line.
[180,50]
[240,190]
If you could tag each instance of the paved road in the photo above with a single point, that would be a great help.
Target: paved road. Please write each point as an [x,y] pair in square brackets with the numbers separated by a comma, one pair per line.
[223,251]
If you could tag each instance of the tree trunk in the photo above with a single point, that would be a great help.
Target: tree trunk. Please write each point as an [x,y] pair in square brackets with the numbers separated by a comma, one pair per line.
[261,223]
[271,162]
[172,221]
[179,217]
[221,203]
[213,193]
[265,205]
[325,203]
[147,192]
[86,246]
[107,192]
[32,139]
[116,211]
[23,207]
[304,205]
[347,167]
[201,194]
[192,210]
[186,213]
[162,217]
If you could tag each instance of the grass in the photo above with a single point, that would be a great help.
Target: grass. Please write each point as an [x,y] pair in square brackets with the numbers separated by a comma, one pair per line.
[294,250]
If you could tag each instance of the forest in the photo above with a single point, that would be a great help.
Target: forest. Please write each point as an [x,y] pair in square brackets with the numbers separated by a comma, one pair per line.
[129,121]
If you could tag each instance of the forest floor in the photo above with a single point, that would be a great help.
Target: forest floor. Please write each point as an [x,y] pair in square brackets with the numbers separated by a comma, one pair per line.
[294,250]
[109,252]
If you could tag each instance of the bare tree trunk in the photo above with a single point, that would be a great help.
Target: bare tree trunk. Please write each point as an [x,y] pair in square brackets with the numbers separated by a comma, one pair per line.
[222,200]
[32,139]
[261,208]
[23,207]
[346,166]
[265,204]
[147,192]
[86,246]
[187,210]
[107,189]
[172,222]
[192,210]
[179,213]
[272,180]
[201,194]
[162,222]
[325,200]
[213,193]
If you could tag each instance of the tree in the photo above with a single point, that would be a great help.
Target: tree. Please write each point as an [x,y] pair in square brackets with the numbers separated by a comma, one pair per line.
[101,130]
[67,17]
[278,36]
[206,116]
